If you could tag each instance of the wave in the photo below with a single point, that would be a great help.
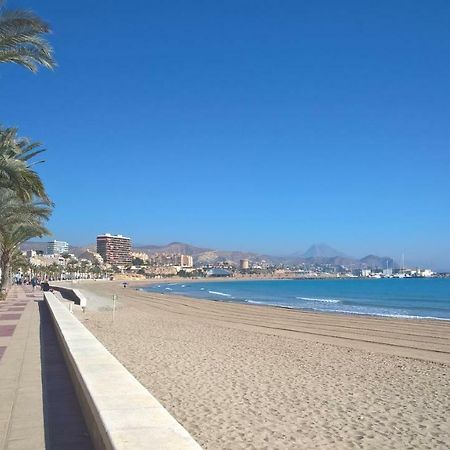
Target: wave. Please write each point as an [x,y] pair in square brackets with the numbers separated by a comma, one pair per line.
[347,311]
[323,300]
[276,305]
[219,293]
[169,289]
[383,314]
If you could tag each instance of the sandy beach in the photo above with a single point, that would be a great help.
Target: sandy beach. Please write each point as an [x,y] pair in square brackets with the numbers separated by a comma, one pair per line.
[252,377]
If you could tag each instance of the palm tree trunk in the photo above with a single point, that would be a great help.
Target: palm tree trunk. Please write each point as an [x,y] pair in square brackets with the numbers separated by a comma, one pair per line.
[5,260]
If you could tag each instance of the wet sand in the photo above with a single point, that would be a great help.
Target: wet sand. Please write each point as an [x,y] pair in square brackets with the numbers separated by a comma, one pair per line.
[246,376]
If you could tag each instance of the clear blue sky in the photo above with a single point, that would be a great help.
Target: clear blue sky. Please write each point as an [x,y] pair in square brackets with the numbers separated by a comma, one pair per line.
[253,125]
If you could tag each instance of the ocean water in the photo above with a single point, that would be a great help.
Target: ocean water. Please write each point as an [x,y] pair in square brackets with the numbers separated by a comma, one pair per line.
[408,298]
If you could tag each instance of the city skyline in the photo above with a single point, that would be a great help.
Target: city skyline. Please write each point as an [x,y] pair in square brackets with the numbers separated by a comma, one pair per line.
[400,259]
[254,126]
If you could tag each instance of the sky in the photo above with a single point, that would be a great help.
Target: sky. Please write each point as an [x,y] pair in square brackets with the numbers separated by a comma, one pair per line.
[245,125]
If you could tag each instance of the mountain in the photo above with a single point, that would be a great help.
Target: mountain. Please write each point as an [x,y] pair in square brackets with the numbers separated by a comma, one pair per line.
[201,255]
[31,245]
[173,247]
[42,246]
[378,262]
[322,251]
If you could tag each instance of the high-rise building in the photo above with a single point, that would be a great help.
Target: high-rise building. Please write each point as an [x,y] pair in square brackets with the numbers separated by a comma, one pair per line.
[57,247]
[184,260]
[244,264]
[114,249]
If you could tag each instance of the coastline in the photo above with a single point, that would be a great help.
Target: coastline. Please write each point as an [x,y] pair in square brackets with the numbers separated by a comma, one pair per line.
[245,376]
[316,301]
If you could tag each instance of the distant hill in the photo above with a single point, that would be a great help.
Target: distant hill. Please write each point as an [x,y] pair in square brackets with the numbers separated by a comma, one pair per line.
[31,245]
[42,246]
[378,262]
[201,255]
[173,247]
[322,251]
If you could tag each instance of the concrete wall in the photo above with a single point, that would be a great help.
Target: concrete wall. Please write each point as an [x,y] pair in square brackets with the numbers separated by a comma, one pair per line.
[119,412]
[71,294]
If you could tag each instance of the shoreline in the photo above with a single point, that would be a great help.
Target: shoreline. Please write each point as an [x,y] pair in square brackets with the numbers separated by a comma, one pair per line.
[242,301]
[137,285]
[130,296]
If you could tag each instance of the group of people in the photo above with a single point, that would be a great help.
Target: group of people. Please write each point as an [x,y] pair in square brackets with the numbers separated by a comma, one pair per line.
[34,281]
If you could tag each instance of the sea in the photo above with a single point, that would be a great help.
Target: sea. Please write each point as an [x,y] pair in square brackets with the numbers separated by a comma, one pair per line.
[412,298]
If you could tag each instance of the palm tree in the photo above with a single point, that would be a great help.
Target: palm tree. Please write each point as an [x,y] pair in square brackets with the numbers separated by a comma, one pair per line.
[13,210]
[10,241]
[19,261]
[22,39]
[16,166]
[19,221]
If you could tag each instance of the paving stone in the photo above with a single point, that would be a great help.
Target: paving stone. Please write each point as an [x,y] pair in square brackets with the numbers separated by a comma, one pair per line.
[7,330]
[10,316]
[38,405]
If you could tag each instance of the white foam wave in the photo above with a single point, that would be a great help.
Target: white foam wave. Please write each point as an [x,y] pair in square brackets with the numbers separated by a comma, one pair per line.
[168,289]
[219,293]
[323,300]
[277,305]
[383,314]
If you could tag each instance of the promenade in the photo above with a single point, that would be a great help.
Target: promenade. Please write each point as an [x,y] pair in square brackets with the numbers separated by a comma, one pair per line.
[38,407]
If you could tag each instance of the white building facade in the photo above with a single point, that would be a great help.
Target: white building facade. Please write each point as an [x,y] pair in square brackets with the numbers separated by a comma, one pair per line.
[57,247]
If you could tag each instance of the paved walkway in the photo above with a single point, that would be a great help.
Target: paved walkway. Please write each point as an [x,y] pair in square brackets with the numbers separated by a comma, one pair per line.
[38,407]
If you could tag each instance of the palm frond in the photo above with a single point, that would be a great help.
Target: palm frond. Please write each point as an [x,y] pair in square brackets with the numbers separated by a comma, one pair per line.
[22,40]
[16,172]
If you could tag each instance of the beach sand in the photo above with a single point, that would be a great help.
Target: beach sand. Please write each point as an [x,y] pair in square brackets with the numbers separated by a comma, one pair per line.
[252,377]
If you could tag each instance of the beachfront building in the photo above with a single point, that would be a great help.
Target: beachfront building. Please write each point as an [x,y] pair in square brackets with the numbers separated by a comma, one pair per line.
[217,272]
[244,264]
[171,259]
[114,249]
[184,260]
[57,247]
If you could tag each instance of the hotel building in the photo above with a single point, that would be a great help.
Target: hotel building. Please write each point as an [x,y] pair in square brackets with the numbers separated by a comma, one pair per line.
[57,247]
[184,260]
[114,249]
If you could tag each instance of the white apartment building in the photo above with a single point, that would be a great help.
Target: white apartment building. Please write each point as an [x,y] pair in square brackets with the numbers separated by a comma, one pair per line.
[184,261]
[57,247]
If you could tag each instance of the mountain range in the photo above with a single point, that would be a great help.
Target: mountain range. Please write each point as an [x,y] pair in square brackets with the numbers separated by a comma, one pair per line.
[316,254]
